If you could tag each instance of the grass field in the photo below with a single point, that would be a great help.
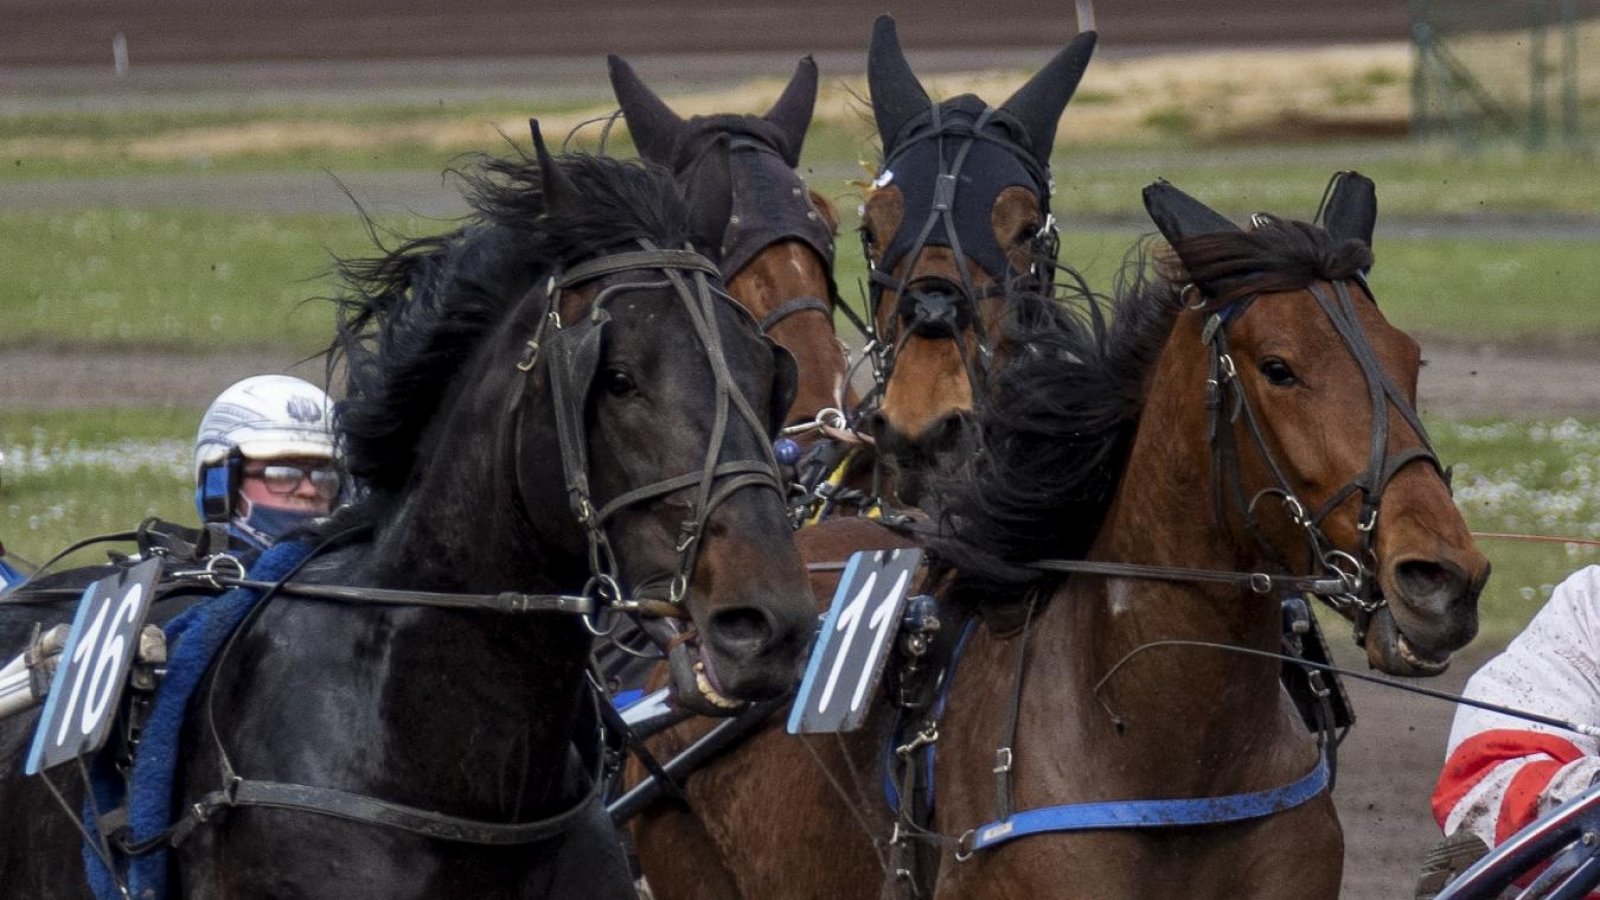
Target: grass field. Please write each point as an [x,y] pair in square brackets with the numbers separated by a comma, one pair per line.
[206,282]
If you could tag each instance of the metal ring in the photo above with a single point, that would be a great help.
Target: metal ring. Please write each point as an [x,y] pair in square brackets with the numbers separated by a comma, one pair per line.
[603,588]
[589,624]
[1183,292]
[964,848]
[212,571]
[1261,582]
[1354,577]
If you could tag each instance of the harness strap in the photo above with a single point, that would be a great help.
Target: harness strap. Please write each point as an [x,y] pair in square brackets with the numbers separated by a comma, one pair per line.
[1259,582]
[505,601]
[655,258]
[242,792]
[797,305]
[1174,813]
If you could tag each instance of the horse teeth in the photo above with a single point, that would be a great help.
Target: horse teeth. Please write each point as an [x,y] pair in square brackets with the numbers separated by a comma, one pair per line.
[709,692]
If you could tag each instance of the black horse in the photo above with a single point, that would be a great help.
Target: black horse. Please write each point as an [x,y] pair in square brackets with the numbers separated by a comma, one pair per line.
[550,399]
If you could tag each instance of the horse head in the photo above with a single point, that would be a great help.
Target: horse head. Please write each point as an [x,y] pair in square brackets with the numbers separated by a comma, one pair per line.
[960,209]
[608,421]
[1319,460]
[772,236]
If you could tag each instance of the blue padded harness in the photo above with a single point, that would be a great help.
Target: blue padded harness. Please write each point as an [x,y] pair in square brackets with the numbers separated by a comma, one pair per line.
[194,637]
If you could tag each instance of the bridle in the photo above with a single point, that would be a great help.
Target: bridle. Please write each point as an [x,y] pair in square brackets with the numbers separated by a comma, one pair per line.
[952,140]
[1226,403]
[571,352]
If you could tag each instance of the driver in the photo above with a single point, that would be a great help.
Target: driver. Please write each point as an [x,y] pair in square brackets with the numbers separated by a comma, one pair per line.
[264,461]
[1501,773]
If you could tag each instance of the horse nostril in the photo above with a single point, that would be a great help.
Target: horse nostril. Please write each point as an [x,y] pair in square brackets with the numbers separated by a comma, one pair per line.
[742,632]
[1429,583]
[932,314]
[946,435]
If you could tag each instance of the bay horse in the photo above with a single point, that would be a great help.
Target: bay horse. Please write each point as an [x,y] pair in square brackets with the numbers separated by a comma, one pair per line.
[756,218]
[1146,496]
[960,208]
[553,397]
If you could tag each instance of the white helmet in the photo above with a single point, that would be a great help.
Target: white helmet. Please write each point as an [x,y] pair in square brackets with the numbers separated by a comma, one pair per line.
[265,417]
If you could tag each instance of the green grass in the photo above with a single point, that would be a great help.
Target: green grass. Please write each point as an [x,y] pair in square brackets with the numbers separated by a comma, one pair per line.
[1413,179]
[195,281]
[72,475]
[1539,478]
[69,475]
[210,281]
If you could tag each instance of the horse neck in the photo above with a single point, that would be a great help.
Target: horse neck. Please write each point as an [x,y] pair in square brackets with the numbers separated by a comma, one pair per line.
[1201,711]
[462,528]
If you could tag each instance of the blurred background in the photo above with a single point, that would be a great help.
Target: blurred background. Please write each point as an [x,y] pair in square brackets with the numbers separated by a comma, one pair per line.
[177,176]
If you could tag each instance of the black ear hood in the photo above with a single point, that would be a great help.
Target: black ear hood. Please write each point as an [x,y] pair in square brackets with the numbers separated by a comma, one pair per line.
[897,95]
[1350,210]
[656,129]
[792,113]
[1038,105]
[1177,215]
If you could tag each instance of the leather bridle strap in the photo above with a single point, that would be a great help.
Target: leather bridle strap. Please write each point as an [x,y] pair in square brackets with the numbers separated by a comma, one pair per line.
[796,305]
[574,357]
[650,258]
[505,601]
[1383,394]
[245,792]
[1257,582]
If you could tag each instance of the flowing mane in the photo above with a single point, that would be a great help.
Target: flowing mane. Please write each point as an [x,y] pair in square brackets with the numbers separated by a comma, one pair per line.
[1059,426]
[410,318]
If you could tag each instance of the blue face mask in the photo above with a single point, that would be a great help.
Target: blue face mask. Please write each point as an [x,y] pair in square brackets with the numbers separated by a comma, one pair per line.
[261,526]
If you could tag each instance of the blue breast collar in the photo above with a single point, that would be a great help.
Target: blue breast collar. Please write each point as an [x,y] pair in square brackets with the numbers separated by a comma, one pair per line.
[1110,814]
[1154,813]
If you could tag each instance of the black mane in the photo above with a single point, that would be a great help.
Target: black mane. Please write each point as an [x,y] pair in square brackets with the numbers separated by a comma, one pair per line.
[412,317]
[1066,401]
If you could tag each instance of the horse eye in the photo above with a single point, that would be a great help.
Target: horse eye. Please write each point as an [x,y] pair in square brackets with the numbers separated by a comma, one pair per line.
[1278,372]
[1027,232]
[617,382]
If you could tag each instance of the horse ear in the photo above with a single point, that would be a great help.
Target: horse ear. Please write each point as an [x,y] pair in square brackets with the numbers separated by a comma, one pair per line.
[1351,208]
[558,190]
[792,112]
[654,126]
[897,95]
[1178,215]
[1039,103]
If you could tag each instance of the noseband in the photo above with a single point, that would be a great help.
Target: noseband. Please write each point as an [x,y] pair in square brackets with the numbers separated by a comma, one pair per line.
[945,226]
[572,354]
[1224,399]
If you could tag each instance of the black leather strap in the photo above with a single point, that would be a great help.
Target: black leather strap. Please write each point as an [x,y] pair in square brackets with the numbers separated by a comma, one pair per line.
[797,305]
[243,792]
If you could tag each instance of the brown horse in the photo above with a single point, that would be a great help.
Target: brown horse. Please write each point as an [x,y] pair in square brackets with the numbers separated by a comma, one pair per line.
[1246,428]
[772,236]
[959,210]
